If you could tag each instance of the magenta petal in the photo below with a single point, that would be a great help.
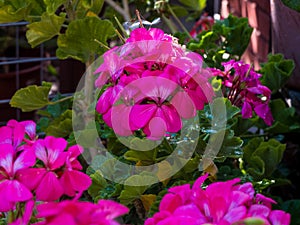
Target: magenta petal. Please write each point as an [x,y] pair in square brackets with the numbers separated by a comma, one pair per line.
[31,177]
[170,202]
[246,110]
[5,204]
[155,129]
[6,158]
[111,208]
[258,210]
[189,210]
[49,188]
[17,192]
[264,112]
[73,181]
[184,105]
[105,101]
[171,117]
[30,128]
[24,160]
[279,217]
[198,183]
[53,145]
[18,132]
[63,219]
[120,117]
[40,151]
[55,151]
[5,135]
[236,214]
[48,209]
[141,114]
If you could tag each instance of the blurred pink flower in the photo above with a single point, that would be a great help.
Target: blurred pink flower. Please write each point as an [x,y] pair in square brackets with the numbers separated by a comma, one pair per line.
[80,213]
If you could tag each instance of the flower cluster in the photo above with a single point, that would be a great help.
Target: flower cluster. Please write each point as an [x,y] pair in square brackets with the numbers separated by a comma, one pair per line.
[246,90]
[80,213]
[32,168]
[221,203]
[152,83]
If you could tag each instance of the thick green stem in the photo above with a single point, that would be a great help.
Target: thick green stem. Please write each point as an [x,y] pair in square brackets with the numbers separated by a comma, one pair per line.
[88,82]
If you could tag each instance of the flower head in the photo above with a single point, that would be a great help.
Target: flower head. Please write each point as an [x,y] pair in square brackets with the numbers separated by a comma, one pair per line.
[246,90]
[153,84]
[80,213]
[221,203]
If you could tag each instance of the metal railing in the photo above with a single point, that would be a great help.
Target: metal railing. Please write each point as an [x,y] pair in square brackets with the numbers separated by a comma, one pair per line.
[17,60]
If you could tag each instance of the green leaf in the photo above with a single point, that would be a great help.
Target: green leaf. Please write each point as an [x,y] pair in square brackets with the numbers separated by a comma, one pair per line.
[145,157]
[293,4]
[231,146]
[61,126]
[55,110]
[79,40]
[14,11]
[98,183]
[85,7]
[237,33]
[32,97]
[276,72]
[47,28]
[262,157]
[52,5]
[285,118]
[197,5]
[179,11]
[132,189]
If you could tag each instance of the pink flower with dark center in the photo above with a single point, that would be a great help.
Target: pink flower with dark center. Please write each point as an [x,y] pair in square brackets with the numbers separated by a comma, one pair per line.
[12,190]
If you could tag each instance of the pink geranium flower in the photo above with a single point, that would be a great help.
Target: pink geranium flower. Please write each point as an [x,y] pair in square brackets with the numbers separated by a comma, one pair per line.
[221,203]
[246,90]
[80,213]
[59,174]
[152,85]
[12,190]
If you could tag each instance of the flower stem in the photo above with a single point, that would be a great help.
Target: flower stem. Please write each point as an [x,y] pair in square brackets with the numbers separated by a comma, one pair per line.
[179,22]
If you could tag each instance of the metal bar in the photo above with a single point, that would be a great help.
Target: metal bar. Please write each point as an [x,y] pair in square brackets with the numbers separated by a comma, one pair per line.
[18,114]
[5,101]
[13,24]
[28,60]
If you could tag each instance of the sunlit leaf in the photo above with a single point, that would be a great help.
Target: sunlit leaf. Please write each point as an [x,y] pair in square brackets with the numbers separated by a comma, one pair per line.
[79,40]
[32,97]
[52,5]
[14,11]
[47,28]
